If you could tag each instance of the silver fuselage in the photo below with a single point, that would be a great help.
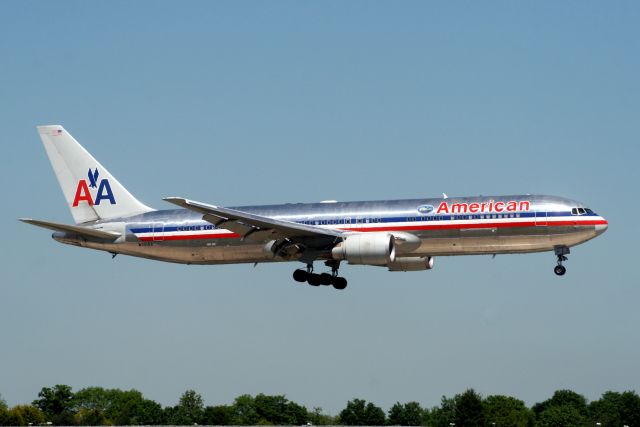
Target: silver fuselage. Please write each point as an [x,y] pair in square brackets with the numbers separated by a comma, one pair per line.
[182,236]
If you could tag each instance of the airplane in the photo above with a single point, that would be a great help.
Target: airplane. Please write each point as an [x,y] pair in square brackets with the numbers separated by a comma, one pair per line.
[401,235]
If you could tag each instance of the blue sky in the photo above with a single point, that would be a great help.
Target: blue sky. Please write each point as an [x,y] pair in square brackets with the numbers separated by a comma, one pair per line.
[266,102]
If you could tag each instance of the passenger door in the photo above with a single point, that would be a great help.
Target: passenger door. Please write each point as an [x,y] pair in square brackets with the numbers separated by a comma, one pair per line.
[158,232]
[541,218]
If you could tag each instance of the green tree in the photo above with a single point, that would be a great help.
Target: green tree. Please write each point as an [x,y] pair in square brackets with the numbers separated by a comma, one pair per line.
[616,409]
[217,415]
[3,403]
[191,406]
[131,408]
[278,410]
[11,418]
[94,398]
[360,413]
[177,416]
[318,418]
[244,411]
[561,415]
[56,404]
[607,410]
[91,417]
[409,414]
[29,414]
[563,398]
[443,415]
[4,416]
[506,411]
[468,409]
[630,408]
[96,405]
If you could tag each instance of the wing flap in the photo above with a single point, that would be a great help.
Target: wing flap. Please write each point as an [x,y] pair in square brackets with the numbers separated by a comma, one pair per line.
[77,229]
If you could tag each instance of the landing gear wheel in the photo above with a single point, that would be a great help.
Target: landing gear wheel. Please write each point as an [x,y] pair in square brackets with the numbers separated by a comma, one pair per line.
[314,280]
[300,275]
[326,279]
[339,283]
[560,270]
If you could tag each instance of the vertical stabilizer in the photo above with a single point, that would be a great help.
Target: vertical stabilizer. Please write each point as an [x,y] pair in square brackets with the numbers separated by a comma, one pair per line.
[91,192]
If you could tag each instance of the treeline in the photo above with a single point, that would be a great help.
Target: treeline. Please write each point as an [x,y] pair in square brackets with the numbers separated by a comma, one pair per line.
[95,406]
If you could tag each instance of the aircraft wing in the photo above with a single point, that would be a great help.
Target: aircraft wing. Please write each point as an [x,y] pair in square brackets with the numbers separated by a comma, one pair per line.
[77,229]
[257,227]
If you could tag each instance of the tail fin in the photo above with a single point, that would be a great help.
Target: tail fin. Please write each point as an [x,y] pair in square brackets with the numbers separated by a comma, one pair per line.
[92,193]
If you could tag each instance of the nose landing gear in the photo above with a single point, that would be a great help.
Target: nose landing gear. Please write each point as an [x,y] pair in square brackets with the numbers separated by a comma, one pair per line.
[324,279]
[560,252]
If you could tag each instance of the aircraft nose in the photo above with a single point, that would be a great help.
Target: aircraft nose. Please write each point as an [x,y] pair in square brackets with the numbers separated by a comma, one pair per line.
[602,227]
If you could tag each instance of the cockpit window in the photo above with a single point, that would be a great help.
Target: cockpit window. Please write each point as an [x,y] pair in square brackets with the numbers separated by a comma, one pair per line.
[580,211]
[589,211]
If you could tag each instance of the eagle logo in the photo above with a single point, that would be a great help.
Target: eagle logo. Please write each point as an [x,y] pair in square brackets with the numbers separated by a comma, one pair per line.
[93,178]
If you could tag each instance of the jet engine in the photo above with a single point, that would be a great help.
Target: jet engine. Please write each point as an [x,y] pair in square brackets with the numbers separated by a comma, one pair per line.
[366,249]
[411,263]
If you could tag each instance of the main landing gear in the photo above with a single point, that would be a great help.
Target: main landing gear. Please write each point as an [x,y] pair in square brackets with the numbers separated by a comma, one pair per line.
[561,251]
[324,279]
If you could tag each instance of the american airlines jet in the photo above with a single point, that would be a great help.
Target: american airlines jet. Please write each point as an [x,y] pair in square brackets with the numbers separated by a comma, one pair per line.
[401,235]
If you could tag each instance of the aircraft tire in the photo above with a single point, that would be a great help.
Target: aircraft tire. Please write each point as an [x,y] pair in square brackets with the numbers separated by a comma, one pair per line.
[559,270]
[314,280]
[326,279]
[339,283]
[300,275]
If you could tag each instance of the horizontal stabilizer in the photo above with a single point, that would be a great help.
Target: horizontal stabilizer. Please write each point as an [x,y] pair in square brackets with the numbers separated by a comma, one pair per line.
[77,229]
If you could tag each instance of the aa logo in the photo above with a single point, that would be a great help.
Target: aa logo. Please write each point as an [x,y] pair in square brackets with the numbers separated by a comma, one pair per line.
[83,194]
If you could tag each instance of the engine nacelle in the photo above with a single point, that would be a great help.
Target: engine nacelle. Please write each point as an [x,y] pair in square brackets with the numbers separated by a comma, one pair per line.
[366,249]
[411,264]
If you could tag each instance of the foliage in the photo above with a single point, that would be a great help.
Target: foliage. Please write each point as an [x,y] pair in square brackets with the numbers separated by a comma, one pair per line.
[506,411]
[3,403]
[190,408]
[244,411]
[318,418]
[360,413]
[616,409]
[563,398]
[217,415]
[93,406]
[91,417]
[100,406]
[409,414]
[443,415]
[561,415]
[468,409]
[21,415]
[278,410]
[54,401]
